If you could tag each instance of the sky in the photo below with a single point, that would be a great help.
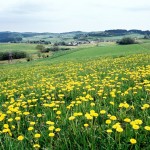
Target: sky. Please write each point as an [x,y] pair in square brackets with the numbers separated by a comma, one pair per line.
[73,15]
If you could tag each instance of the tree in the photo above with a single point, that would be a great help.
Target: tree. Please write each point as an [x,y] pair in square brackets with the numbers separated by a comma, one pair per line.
[126,41]
[40,48]
[54,48]
[147,36]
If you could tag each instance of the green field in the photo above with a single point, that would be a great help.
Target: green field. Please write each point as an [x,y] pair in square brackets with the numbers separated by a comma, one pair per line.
[108,51]
[88,98]
[29,48]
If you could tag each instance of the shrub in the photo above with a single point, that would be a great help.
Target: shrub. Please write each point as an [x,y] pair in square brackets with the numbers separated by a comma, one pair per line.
[147,37]
[44,56]
[29,58]
[63,49]
[54,48]
[126,40]
[15,55]
[39,55]
[40,47]
[46,50]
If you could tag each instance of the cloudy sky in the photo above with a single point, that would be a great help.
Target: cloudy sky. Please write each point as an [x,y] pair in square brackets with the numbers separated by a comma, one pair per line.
[73,15]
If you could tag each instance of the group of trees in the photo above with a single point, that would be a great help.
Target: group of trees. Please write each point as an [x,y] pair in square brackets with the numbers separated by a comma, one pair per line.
[126,41]
[10,37]
[12,55]
[39,42]
[147,36]
[43,49]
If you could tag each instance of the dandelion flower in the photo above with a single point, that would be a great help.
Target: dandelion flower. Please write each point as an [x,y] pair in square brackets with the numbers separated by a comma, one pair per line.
[108,121]
[51,134]
[136,127]
[30,128]
[39,115]
[119,129]
[109,131]
[37,135]
[86,125]
[20,138]
[147,128]
[58,112]
[57,129]
[71,118]
[51,128]
[113,118]
[36,146]
[102,112]
[133,141]
[127,120]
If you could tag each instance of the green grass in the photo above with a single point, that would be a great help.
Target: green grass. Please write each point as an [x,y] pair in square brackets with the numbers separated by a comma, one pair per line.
[102,51]
[78,91]
[105,49]
[77,98]
[29,48]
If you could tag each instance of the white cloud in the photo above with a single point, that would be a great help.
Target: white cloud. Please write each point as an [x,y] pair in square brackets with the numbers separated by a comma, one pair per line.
[67,15]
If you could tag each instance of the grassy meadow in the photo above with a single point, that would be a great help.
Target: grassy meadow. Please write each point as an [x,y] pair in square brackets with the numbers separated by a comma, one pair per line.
[88,98]
[29,48]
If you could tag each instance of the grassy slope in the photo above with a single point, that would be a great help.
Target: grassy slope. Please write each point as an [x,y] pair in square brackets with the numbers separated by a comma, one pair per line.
[30,48]
[115,50]
[84,53]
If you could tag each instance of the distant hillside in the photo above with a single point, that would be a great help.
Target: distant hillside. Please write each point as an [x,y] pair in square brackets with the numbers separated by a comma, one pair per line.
[10,37]
[18,36]
[119,32]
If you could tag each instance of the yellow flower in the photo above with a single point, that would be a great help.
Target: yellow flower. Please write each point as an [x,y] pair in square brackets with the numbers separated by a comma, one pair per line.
[10,119]
[119,129]
[26,113]
[17,118]
[113,118]
[86,125]
[32,123]
[51,134]
[94,114]
[109,115]
[30,128]
[92,104]
[138,121]
[126,105]
[132,123]
[133,141]
[39,115]
[108,121]
[10,133]
[13,127]
[112,103]
[20,138]
[51,128]
[115,126]
[57,129]
[136,127]
[88,116]
[58,117]
[58,112]
[80,114]
[6,130]
[6,126]
[109,131]
[49,122]
[102,112]
[127,120]
[71,118]
[37,135]
[36,146]
[147,128]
